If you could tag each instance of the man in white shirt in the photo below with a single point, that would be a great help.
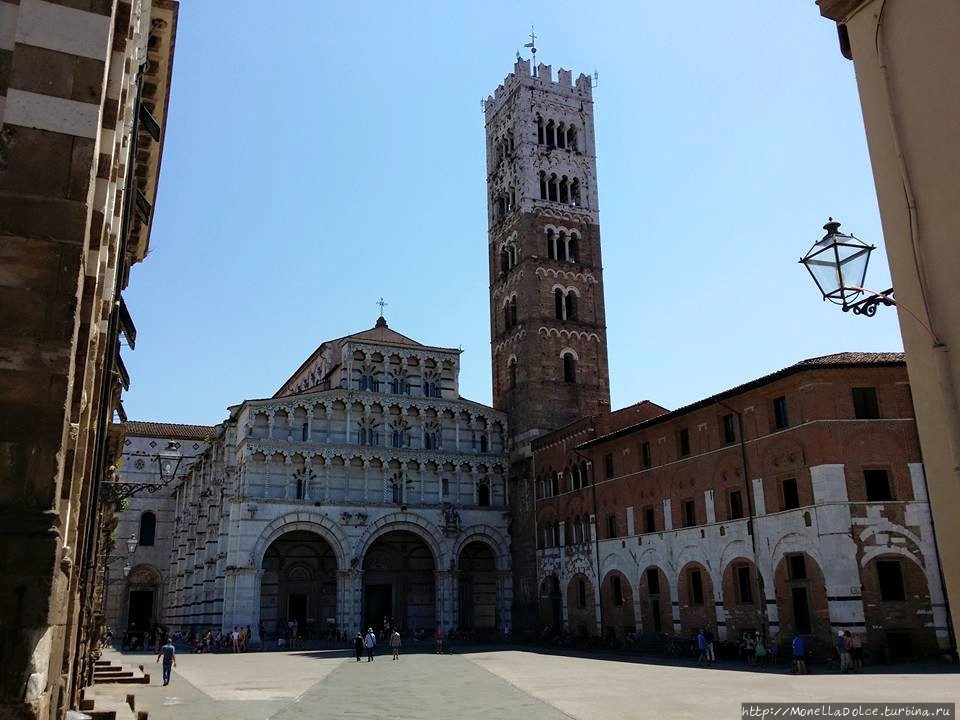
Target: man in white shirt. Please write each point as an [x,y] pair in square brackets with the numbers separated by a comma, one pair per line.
[370,642]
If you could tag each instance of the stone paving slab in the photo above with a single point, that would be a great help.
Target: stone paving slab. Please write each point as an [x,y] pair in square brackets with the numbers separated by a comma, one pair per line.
[494,685]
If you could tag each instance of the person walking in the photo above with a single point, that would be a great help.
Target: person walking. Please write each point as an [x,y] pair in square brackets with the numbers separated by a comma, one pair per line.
[358,645]
[169,654]
[370,642]
[799,659]
[439,637]
[395,643]
[711,655]
[701,647]
[235,639]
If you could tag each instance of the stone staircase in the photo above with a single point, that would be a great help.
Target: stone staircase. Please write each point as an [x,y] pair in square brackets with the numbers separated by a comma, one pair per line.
[105,672]
[112,709]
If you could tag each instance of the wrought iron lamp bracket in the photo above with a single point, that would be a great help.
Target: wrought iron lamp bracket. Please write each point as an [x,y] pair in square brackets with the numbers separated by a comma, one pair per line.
[868,306]
[112,492]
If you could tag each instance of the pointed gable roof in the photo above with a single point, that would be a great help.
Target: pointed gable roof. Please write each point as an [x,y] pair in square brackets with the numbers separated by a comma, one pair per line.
[382,333]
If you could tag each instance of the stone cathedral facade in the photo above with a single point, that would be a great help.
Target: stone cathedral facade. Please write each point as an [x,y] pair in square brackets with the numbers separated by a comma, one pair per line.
[365,488]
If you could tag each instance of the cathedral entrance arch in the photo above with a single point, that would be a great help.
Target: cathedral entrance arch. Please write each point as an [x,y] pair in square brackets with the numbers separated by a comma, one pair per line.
[398,583]
[299,583]
[477,587]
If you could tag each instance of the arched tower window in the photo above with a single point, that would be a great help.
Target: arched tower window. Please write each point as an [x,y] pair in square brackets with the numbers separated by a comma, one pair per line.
[551,245]
[540,138]
[483,494]
[148,529]
[572,138]
[572,249]
[575,192]
[551,134]
[558,303]
[570,306]
[543,185]
[512,373]
[564,190]
[562,246]
[561,136]
[305,432]
[569,368]
[552,187]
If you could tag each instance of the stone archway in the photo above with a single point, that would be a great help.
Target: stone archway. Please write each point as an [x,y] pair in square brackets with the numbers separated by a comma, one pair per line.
[142,605]
[399,583]
[299,583]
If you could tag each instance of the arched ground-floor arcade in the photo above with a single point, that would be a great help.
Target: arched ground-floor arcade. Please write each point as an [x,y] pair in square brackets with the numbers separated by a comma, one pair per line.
[338,578]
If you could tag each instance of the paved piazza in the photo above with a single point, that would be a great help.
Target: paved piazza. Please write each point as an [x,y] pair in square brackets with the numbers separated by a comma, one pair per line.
[498,684]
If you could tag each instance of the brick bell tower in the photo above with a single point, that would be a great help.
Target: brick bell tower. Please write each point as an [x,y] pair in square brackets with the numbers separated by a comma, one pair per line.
[548,328]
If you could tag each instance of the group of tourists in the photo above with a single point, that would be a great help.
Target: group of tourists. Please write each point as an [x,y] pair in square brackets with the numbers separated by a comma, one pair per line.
[368,643]
[849,651]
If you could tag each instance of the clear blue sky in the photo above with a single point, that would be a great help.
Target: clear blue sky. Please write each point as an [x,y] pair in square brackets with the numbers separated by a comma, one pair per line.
[321,154]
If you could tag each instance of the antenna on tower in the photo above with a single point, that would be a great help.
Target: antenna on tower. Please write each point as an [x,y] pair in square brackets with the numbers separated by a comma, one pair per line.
[533,49]
[596,79]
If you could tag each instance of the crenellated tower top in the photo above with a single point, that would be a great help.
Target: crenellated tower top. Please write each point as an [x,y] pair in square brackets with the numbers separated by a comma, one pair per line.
[523,76]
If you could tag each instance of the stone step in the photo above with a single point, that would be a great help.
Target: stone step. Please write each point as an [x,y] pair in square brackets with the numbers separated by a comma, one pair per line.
[102,714]
[101,663]
[108,668]
[118,672]
[125,680]
[86,705]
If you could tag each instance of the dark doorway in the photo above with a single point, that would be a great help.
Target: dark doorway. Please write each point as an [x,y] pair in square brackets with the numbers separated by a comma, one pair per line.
[478,588]
[140,614]
[655,615]
[377,604]
[297,609]
[801,610]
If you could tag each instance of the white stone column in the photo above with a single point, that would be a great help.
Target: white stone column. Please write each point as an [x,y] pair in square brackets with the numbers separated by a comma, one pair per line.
[667,515]
[711,508]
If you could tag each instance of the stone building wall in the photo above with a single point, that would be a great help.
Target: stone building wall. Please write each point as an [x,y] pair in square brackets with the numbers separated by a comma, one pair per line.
[71,94]
[817,530]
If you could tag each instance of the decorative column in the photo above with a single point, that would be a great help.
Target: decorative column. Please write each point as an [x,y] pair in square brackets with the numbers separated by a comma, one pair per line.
[307,472]
[270,425]
[287,464]
[266,474]
[366,479]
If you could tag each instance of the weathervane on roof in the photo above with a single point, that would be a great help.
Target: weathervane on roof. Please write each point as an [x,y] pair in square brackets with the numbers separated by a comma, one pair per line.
[533,49]
[382,305]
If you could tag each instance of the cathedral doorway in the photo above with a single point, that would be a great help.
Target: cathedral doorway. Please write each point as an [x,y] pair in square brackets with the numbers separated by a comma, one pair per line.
[299,583]
[477,588]
[398,583]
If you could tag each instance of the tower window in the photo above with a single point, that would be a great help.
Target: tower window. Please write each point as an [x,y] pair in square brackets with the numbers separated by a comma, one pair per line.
[540,138]
[564,190]
[543,185]
[611,526]
[300,489]
[570,306]
[608,465]
[683,442]
[305,432]
[483,495]
[561,136]
[551,136]
[562,246]
[575,192]
[645,457]
[551,241]
[512,373]
[572,249]
[569,368]
[689,513]
[552,189]
[572,138]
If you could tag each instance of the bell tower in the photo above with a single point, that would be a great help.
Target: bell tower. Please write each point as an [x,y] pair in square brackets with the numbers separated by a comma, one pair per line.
[548,328]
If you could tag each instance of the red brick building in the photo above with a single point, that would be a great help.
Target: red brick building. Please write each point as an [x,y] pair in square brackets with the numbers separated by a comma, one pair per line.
[795,502]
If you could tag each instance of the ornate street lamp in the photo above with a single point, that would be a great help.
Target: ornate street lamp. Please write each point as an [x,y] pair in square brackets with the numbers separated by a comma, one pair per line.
[838,265]
[168,462]
[132,543]
[126,569]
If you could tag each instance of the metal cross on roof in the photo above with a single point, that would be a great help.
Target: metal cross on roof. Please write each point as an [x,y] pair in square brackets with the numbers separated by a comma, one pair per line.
[382,305]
